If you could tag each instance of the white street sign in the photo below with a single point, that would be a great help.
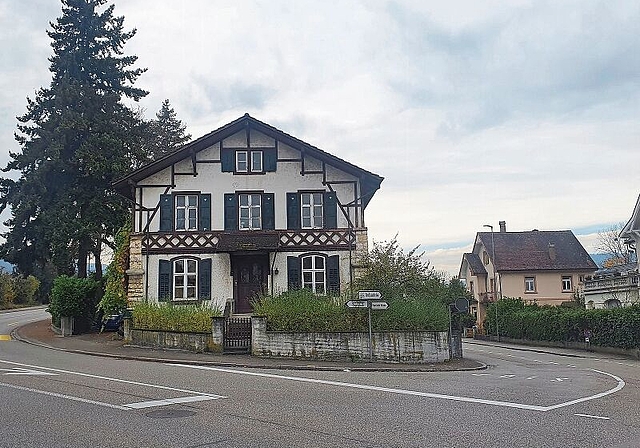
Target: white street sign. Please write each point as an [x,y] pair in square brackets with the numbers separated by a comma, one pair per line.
[379,305]
[357,304]
[369,295]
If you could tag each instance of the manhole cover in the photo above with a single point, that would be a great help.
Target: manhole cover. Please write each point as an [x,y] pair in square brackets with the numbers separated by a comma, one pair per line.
[170,413]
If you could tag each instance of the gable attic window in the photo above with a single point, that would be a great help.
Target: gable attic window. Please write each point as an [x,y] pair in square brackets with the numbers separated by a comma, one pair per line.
[248,161]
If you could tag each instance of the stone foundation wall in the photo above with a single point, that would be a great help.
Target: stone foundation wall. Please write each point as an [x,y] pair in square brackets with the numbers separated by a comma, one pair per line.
[406,347]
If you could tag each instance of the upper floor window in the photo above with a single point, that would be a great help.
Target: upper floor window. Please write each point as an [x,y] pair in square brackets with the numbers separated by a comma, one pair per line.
[250,206]
[311,207]
[313,273]
[529,284]
[249,211]
[256,161]
[566,283]
[312,210]
[186,212]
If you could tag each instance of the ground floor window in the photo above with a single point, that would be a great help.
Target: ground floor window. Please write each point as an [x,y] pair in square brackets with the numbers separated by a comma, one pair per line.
[313,273]
[185,279]
[529,284]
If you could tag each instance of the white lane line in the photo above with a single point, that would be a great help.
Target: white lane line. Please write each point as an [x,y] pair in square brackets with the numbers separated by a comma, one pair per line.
[480,374]
[593,416]
[118,380]
[510,375]
[168,401]
[507,404]
[19,371]
[531,377]
[620,385]
[66,397]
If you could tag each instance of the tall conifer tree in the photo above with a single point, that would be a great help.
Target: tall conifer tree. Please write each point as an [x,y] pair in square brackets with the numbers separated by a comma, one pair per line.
[76,137]
[168,133]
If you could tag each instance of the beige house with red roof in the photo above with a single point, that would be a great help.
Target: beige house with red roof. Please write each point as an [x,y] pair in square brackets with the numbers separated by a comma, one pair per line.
[543,267]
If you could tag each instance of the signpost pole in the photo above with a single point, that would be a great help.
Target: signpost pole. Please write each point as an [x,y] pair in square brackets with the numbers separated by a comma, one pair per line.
[370,337]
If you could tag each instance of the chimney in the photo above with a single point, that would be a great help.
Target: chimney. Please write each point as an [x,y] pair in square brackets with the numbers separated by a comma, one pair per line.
[552,251]
[503,226]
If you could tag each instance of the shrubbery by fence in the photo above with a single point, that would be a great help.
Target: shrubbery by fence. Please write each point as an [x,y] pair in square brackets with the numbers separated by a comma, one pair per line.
[619,327]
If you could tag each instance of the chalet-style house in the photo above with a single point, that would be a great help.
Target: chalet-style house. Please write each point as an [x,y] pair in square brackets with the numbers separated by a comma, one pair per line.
[544,267]
[243,210]
[617,286]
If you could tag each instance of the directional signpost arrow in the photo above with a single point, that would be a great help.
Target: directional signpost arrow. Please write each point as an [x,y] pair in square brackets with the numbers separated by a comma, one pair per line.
[379,305]
[369,295]
[357,304]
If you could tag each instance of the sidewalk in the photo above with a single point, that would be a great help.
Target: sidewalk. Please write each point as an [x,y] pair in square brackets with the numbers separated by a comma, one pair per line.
[111,346]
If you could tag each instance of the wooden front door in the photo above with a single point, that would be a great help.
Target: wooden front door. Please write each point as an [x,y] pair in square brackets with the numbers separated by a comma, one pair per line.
[249,280]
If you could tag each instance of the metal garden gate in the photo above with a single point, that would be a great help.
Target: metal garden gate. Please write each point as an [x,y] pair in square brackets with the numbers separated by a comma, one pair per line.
[237,335]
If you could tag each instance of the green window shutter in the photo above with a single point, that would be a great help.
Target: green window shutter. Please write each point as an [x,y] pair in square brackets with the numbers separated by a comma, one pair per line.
[294,273]
[204,212]
[230,212]
[270,159]
[165,274]
[333,274]
[204,279]
[166,213]
[228,160]
[330,210]
[293,211]
[268,212]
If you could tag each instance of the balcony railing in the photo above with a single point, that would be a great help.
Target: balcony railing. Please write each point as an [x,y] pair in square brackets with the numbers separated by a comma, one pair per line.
[207,242]
[616,283]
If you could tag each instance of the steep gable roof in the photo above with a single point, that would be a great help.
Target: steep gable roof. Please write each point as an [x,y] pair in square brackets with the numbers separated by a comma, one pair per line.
[633,225]
[475,264]
[537,251]
[370,182]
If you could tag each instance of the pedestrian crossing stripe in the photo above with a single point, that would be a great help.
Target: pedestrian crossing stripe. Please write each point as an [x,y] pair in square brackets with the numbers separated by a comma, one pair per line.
[5,337]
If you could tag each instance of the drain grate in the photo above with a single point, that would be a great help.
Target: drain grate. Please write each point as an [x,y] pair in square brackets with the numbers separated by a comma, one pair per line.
[170,413]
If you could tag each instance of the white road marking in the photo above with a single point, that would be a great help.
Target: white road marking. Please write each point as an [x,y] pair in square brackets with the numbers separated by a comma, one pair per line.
[507,404]
[168,401]
[66,397]
[571,365]
[559,380]
[118,380]
[507,376]
[593,416]
[531,377]
[19,371]
[480,374]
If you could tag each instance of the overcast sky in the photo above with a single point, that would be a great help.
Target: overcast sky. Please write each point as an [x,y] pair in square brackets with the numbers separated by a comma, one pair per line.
[473,112]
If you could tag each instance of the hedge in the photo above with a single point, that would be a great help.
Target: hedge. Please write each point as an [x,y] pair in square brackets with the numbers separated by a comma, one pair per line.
[303,311]
[619,327]
[170,317]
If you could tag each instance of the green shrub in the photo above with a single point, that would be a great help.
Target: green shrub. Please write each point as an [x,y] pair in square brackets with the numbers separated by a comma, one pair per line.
[618,327]
[72,297]
[114,299]
[170,317]
[303,311]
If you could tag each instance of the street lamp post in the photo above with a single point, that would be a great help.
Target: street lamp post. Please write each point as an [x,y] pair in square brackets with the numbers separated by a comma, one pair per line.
[493,265]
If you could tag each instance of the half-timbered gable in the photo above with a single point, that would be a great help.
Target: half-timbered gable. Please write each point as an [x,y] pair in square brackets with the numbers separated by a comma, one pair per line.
[242,210]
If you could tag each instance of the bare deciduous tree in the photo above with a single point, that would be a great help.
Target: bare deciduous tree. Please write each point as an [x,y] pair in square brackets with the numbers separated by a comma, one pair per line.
[615,248]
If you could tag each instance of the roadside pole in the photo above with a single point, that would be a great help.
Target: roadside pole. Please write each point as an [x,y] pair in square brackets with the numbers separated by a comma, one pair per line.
[370,336]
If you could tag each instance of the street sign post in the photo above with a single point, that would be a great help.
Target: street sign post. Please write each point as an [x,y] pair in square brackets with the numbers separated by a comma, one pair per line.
[357,304]
[379,305]
[369,295]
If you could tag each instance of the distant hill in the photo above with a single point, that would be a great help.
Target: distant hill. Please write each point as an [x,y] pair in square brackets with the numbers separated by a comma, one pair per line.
[599,258]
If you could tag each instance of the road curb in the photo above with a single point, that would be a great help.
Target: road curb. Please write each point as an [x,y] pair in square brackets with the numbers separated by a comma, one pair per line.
[29,308]
[528,349]
[15,334]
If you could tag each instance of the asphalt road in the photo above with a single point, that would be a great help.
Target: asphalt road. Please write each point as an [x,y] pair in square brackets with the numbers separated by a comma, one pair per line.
[523,399]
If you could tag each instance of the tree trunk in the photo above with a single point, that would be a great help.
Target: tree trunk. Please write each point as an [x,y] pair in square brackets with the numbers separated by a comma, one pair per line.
[83,252]
[98,262]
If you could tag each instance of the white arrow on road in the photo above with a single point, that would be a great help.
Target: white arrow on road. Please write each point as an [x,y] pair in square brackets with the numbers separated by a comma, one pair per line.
[19,371]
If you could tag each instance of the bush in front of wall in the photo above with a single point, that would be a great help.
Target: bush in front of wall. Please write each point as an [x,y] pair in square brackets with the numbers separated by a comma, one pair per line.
[72,297]
[302,311]
[173,317]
